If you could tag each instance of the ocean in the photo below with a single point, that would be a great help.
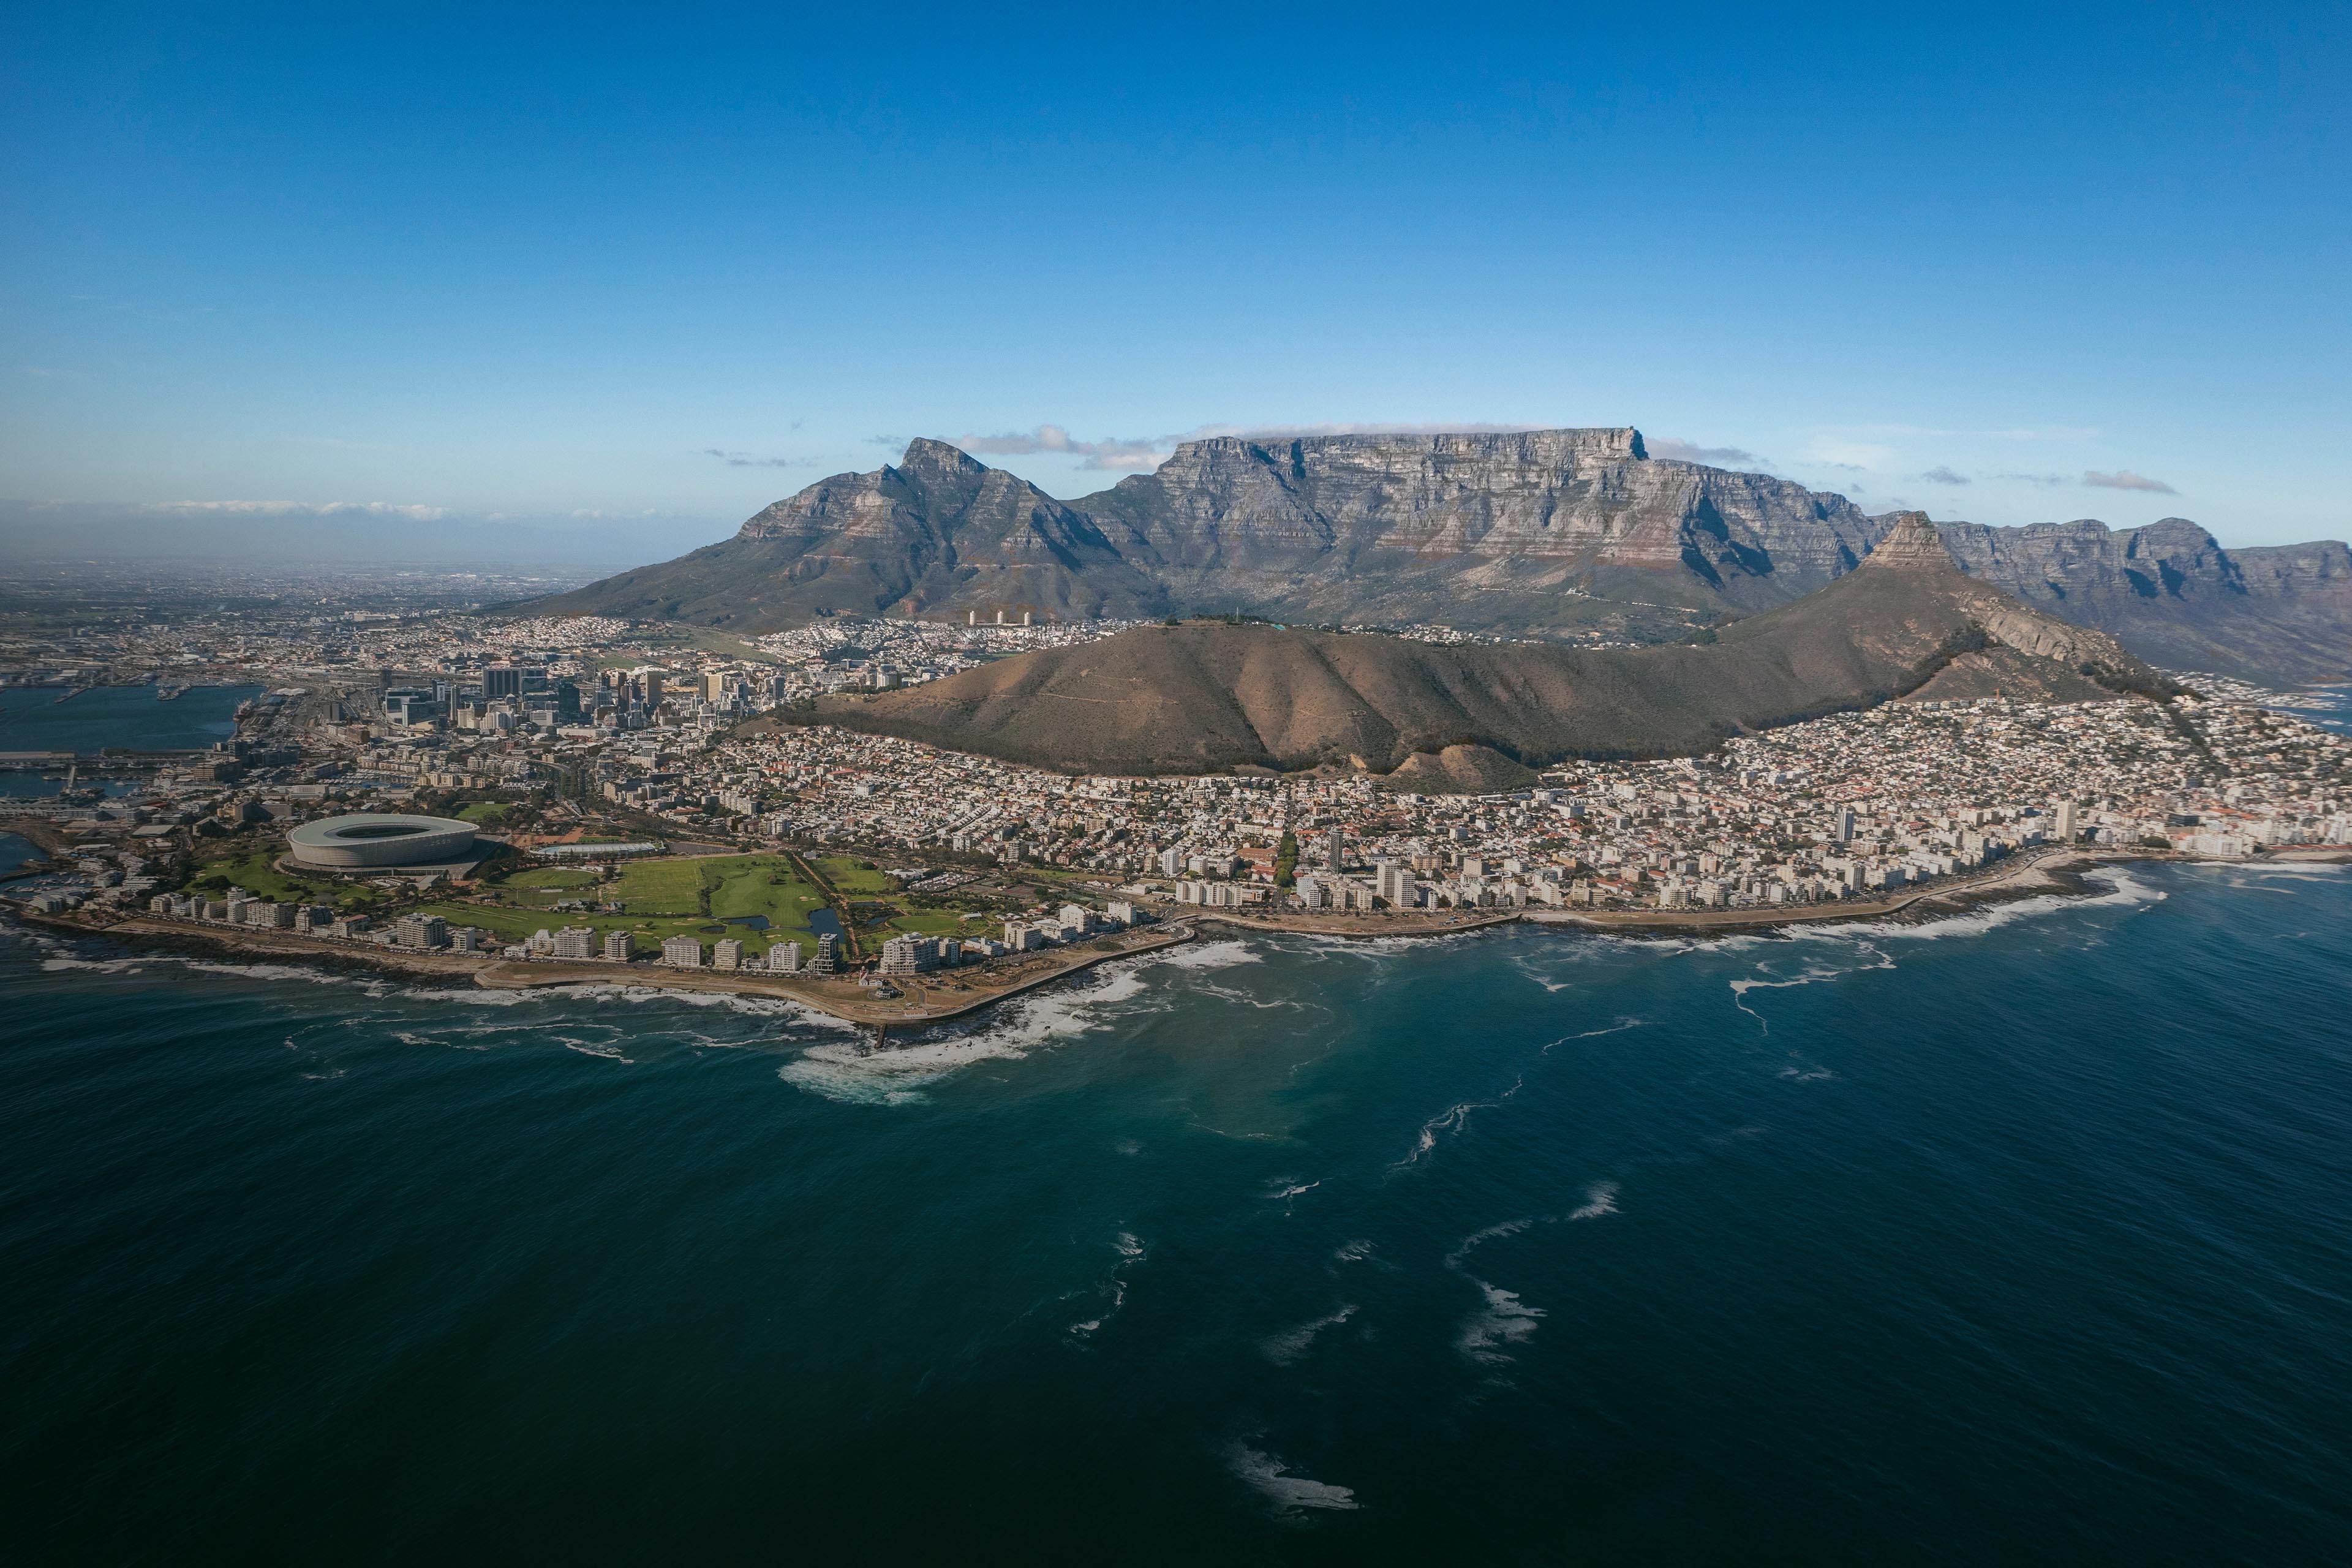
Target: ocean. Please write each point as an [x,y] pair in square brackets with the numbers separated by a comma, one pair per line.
[33,719]
[2021,1236]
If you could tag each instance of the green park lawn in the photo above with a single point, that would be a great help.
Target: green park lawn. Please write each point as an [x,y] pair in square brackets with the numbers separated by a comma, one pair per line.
[659,898]
[853,877]
[256,875]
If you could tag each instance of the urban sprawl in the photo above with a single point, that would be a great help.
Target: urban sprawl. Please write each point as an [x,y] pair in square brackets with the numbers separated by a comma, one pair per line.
[628,740]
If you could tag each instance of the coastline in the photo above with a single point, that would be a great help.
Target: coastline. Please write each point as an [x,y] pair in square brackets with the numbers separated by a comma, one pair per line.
[927,1000]
[924,1000]
[2051,868]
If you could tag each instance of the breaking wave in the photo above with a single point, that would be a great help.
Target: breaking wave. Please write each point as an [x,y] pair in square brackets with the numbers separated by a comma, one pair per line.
[859,1073]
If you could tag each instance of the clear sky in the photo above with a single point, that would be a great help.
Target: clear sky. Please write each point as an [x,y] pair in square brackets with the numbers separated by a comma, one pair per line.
[623,278]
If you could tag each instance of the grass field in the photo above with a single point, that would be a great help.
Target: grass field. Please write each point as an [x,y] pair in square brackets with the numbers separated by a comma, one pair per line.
[852,878]
[659,898]
[938,922]
[256,875]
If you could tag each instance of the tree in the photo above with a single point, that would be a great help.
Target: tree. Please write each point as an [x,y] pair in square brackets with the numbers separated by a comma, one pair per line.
[1286,860]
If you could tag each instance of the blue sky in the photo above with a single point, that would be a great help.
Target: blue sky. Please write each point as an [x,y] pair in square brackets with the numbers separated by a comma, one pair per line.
[620,279]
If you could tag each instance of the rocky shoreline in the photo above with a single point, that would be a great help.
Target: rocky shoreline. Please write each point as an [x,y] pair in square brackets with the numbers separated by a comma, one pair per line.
[926,1001]
[923,1000]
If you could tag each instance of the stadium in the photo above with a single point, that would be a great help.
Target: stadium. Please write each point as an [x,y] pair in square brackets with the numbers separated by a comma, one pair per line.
[345,843]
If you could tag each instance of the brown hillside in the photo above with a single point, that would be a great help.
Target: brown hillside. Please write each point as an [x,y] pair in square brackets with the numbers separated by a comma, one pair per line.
[1206,698]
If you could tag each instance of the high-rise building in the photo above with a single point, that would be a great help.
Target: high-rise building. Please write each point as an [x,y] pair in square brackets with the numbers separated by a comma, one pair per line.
[784,958]
[682,952]
[727,955]
[823,962]
[618,948]
[502,680]
[1394,883]
[2066,824]
[1335,849]
[1845,824]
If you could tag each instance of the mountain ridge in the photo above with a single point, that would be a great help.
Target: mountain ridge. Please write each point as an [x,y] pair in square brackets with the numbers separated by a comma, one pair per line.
[1547,530]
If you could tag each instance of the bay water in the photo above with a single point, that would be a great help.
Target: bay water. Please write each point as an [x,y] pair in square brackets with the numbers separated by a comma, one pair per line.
[2024,1236]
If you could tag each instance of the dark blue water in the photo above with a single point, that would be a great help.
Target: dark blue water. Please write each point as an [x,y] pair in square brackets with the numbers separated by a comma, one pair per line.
[33,719]
[15,850]
[2023,1238]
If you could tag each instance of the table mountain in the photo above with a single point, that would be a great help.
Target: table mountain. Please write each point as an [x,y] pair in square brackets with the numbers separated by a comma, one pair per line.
[1540,530]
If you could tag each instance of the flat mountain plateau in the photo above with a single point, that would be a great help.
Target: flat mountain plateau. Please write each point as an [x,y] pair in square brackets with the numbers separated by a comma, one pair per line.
[1528,533]
[1199,698]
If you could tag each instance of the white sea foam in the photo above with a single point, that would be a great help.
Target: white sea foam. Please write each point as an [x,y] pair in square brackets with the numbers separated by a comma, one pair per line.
[1287,1492]
[98,966]
[1620,1027]
[1451,1119]
[1353,1251]
[1206,955]
[1227,994]
[1505,1321]
[606,1051]
[2123,890]
[1287,1346]
[1811,975]
[1479,1239]
[1130,1251]
[897,1073]
[1600,1201]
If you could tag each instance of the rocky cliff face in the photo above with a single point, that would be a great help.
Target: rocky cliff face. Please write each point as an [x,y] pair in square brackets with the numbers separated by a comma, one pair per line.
[2172,594]
[1425,527]
[1527,531]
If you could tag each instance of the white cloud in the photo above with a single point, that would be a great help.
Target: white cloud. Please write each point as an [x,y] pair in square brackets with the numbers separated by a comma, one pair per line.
[1673,450]
[1140,454]
[2125,479]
